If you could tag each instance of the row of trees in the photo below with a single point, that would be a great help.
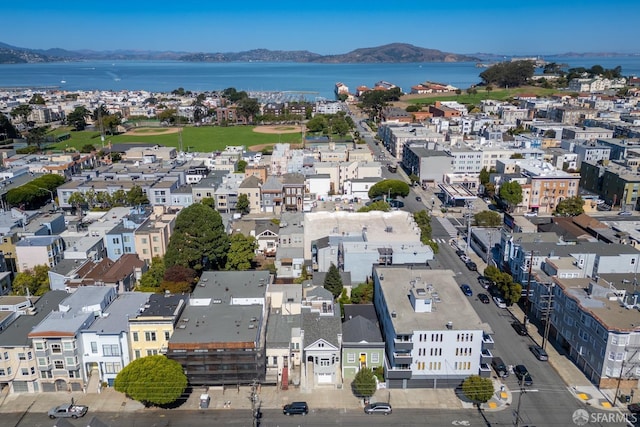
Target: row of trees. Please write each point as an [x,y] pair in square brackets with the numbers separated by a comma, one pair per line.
[328,124]
[104,200]
[509,74]
[511,290]
[35,193]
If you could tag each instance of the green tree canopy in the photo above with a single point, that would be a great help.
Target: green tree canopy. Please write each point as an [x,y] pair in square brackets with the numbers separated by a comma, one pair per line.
[248,108]
[37,99]
[571,206]
[32,282]
[153,277]
[477,389]
[199,239]
[423,221]
[178,279]
[242,251]
[152,380]
[364,384]
[242,205]
[484,176]
[362,294]
[78,118]
[378,205]
[241,166]
[374,101]
[487,219]
[7,129]
[37,135]
[22,111]
[333,281]
[509,74]
[511,194]
[389,188]
[136,196]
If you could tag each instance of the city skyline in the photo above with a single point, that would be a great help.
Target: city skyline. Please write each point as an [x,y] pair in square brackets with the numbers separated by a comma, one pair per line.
[463,27]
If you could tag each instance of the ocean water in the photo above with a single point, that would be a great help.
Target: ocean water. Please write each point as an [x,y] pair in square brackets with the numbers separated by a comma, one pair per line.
[309,80]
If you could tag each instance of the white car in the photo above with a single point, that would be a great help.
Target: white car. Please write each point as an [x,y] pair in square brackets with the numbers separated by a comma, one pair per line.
[531,214]
[499,302]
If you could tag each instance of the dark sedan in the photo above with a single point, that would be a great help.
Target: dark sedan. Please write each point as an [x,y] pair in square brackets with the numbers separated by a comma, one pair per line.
[484,298]
[519,328]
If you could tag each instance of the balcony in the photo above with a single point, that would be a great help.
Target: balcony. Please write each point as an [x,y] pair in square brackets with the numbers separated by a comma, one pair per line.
[485,370]
[487,342]
[402,345]
[402,358]
[486,356]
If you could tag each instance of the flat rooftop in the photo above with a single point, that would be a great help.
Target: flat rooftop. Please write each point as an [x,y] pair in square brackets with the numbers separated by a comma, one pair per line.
[450,304]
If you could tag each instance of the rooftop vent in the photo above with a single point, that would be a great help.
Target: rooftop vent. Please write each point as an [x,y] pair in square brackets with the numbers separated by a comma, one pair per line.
[449,325]
[394,314]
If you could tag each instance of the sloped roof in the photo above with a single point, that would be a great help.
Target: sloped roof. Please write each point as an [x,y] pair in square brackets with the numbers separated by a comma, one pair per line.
[586,222]
[359,330]
[251,182]
[317,327]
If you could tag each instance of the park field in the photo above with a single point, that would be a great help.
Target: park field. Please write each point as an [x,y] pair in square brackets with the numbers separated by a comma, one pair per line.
[203,138]
[498,94]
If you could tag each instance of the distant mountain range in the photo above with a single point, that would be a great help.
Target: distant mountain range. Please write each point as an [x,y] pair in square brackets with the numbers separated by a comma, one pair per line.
[390,53]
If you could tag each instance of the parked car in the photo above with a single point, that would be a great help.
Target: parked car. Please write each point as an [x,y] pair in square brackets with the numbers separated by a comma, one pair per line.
[523,374]
[294,408]
[459,252]
[377,408]
[500,368]
[539,353]
[484,298]
[519,328]
[530,214]
[466,289]
[625,213]
[68,410]
[465,258]
[472,266]
[499,302]
[418,198]
[484,282]
[634,408]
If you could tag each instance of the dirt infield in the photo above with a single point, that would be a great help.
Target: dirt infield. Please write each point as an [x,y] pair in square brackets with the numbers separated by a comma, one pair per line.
[256,148]
[277,129]
[144,131]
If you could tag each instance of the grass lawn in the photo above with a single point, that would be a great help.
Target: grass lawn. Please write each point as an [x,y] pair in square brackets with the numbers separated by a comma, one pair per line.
[203,138]
[465,98]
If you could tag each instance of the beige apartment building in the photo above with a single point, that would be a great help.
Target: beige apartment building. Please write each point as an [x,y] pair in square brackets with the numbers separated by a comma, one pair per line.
[151,330]
[152,237]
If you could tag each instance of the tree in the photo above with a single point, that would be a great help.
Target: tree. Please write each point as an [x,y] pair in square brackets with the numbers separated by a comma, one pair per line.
[77,118]
[37,99]
[168,115]
[571,206]
[152,380]
[511,194]
[178,279]
[423,221]
[378,205]
[33,282]
[364,384]
[344,299]
[389,188]
[136,196]
[484,176]
[317,124]
[87,148]
[477,389]
[415,179]
[7,130]
[241,166]
[242,251]
[111,123]
[22,111]
[333,281]
[36,136]
[242,205]
[487,219]
[374,101]
[248,108]
[199,239]
[362,294]
[509,74]
[153,277]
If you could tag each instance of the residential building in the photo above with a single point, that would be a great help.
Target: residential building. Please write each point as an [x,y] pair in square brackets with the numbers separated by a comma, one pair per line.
[362,343]
[615,184]
[56,339]
[293,190]
[106,342]
[220,338]
[250,186]
[19,369]
[38,250]
[433,336]
[151,327]
[321,336]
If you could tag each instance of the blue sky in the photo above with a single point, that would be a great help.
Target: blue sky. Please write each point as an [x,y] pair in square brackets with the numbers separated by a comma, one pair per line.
[326,27]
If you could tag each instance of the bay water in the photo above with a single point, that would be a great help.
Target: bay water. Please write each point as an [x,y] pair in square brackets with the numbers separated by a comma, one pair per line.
[307,80]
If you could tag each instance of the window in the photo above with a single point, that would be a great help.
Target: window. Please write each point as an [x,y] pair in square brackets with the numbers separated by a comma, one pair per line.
[42,361]
[152,352]
[167,335]
[375,357]
[2,372]
[56,348]
[58,364]
[351,358]
[149,336]
[39,345]
[21,356]
[137,354]
[94,347]
[135,337]
[24,371]
[70,360]
[110,350]
[67,345]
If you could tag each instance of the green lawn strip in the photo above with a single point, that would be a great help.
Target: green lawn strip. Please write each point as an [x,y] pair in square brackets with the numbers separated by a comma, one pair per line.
[496,94]
[203,138]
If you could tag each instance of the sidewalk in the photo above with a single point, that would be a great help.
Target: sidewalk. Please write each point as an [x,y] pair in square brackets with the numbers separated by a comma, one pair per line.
[577,383]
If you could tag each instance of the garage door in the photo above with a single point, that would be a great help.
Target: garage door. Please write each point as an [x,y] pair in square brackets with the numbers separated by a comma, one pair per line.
[324,378]
[20,387]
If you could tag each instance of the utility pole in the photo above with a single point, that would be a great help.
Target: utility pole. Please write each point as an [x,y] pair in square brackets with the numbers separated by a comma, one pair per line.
[615,396]
[256,414]
[547,323]
[489,251]
[469,206]
[522,391]
[528,301]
